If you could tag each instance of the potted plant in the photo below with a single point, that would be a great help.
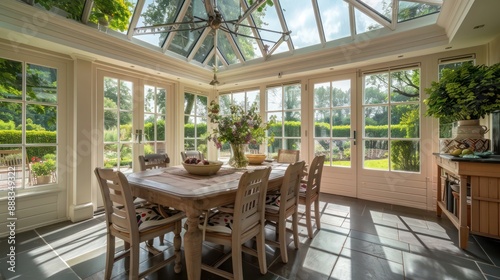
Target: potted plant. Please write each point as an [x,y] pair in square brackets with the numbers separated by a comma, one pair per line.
[466,93]
[43,169]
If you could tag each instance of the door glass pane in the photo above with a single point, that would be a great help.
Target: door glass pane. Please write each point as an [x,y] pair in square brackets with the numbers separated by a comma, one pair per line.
[341,153]
[110,93]
[405,121]
[341,123]
[41,83]
[405,155]
[126,95]
[11,80]
[376,89]
[126,126]
[292,124]
[11,122]
[160,128]
[405,85]
[341,93]
[292,97]
[149,99]
[322,96]
[375,154]
[274,99]
[322,123]
[376,122]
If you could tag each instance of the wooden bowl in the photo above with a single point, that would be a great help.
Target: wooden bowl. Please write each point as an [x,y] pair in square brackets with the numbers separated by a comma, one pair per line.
[256,158]
[201,169]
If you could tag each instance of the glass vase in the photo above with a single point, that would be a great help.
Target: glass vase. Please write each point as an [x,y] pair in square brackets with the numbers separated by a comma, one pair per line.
[238,158]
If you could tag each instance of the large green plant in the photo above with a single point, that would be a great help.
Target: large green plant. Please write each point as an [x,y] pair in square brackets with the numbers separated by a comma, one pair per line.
[465,93]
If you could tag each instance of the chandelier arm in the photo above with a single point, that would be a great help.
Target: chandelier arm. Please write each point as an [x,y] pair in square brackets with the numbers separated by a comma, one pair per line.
[247,36]
[172,29]
[264,29]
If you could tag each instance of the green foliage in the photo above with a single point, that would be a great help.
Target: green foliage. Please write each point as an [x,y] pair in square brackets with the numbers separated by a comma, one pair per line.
[8,125]
[467,92]
[31,126]
[405,156]
[72,7]
[116,12]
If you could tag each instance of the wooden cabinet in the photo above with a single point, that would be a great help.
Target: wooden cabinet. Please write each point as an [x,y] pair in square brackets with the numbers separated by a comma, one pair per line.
[483,176]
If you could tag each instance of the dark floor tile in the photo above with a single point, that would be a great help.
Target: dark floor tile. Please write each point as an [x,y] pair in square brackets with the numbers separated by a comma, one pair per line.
[421,267]
[388,242]
[491,247]
[305,263]
[328,241]
[356,265]
[489,270]
[373,249]
[39,263]
[24,241]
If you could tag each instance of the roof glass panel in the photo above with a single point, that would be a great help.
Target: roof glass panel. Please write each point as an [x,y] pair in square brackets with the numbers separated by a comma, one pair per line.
[410,10]
[230,9]
[151,16]
[226,49]
[381,7]
[268,19]
[364,23]
[299,17]
[114,15]
[335,19]
[184,40]
[67,9]
[205,48]
[248,46]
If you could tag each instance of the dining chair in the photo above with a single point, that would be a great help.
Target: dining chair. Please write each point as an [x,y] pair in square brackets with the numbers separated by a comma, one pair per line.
[288,156]
[133,225]
[152,161]
[190,154]
[240,222]
[280,206]
[309,192]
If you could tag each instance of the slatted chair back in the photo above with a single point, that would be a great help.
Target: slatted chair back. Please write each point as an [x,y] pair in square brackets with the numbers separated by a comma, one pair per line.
[153,161]
[192,154]
[288,156]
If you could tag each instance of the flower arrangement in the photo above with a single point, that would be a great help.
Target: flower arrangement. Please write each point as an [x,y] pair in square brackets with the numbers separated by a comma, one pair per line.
[42,167]
[238,127]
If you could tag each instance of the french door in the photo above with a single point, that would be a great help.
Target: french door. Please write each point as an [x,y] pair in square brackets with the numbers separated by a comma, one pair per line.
[334,132]
[131,120]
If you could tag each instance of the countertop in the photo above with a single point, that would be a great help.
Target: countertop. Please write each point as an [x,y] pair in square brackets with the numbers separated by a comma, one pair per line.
[491,159]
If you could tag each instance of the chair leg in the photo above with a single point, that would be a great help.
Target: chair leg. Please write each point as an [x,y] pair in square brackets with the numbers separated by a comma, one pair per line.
[126,261]
[177,247]
[134,262]
[282,240]
[295,226]
[261,251]
[110,256]
[316,213]
[161,238]
[237,262]
[308,220]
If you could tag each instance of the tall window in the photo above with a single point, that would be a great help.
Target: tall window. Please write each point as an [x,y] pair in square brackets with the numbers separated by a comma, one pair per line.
[332,122]
[195,122]
[391,110]
[445,125]
[284,102]
[28,124]
[243,99]
[154,119]
[118,120]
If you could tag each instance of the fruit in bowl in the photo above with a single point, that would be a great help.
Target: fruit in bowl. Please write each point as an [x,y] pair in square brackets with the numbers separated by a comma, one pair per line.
[202,167]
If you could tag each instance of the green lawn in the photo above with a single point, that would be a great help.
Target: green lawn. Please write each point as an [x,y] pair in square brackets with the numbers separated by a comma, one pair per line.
[370,163]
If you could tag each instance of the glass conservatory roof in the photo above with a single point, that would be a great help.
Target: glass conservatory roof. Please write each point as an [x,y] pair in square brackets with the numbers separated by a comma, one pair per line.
[228,32]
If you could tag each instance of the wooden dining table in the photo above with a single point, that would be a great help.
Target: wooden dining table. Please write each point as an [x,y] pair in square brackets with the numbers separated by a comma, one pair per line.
[175,187]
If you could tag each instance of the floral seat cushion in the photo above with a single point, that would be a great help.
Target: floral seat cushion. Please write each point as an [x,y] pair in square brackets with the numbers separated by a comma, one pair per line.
[273,202]
[149,216]
[218,222]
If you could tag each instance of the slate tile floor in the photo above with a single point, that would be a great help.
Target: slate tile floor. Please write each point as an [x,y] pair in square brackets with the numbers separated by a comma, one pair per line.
[358,240]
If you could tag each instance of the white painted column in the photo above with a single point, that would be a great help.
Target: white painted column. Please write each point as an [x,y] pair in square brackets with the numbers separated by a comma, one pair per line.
[82,140]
